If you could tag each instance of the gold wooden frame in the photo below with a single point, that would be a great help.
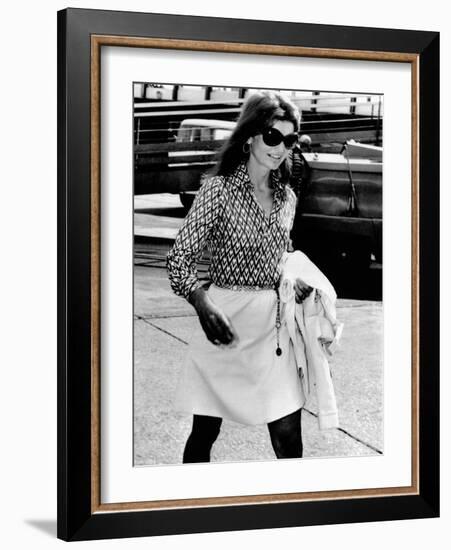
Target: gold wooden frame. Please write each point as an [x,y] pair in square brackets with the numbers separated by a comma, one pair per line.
[97,41]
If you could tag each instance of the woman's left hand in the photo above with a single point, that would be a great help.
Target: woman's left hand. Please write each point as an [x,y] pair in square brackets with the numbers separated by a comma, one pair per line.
[302,290]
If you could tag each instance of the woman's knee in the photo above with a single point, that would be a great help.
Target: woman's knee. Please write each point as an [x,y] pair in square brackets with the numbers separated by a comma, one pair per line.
[204,432]
[206,428]
[286,436]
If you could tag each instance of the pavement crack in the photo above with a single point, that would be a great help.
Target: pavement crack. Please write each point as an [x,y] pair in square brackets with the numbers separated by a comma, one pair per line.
[160,329]
[354,437]
[175,316]
[359,306]
[342,430]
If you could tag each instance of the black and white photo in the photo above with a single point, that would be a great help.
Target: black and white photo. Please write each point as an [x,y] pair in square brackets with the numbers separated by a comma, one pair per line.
[258,329]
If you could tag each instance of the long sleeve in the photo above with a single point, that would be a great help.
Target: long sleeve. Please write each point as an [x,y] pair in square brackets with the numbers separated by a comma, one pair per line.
[193,236]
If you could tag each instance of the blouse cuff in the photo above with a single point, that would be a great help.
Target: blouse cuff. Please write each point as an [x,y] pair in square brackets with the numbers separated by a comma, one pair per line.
[190,287]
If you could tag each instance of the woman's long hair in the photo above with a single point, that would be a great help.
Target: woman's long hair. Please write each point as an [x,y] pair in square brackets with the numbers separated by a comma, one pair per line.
[260,111]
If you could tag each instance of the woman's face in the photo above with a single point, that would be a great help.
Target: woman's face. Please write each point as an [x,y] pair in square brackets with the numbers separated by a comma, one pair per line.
[271,157]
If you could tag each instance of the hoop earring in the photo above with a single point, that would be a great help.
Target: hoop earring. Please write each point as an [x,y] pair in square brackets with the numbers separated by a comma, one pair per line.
[246,148]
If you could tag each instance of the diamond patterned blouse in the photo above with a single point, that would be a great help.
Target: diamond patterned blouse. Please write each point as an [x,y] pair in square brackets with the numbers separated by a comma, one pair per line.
[246,245]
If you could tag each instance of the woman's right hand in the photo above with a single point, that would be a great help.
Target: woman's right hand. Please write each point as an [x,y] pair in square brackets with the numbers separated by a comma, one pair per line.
[215,324]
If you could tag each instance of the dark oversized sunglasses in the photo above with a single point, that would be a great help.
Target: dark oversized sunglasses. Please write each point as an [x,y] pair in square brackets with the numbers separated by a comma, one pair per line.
[272,137]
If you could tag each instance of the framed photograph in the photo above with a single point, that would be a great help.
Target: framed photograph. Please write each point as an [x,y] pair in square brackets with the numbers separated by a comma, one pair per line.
[203,385]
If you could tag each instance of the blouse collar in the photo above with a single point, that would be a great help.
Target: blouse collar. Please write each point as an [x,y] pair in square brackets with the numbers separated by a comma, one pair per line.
[242,178]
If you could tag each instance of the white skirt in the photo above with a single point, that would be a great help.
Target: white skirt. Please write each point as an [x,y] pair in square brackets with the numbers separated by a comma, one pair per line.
[247,383]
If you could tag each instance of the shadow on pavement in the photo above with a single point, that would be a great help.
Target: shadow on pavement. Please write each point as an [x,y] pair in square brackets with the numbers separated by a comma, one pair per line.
[168,212]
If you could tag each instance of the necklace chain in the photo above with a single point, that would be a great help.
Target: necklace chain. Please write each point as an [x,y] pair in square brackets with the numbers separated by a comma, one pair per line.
[278,322]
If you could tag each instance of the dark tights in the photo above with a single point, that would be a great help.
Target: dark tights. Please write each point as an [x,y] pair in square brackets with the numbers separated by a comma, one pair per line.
[203,434]
[285,433]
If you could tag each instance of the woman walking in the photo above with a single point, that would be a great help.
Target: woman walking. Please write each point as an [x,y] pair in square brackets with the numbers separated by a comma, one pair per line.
[243,367]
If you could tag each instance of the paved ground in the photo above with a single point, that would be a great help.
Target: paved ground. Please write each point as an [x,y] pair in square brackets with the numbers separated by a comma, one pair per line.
[165,323]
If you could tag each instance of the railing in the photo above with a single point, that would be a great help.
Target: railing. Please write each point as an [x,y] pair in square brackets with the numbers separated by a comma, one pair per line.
[314,102]
[166,163]
[321,132]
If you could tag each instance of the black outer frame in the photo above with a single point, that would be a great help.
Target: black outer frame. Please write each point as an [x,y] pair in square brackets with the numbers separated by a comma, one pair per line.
[75,519]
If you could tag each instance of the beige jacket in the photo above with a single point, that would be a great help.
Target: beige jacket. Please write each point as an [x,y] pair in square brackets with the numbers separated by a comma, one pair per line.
[314,331]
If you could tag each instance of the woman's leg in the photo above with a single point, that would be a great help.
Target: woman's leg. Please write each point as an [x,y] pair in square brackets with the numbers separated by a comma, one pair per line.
[286,436]
[203,434]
